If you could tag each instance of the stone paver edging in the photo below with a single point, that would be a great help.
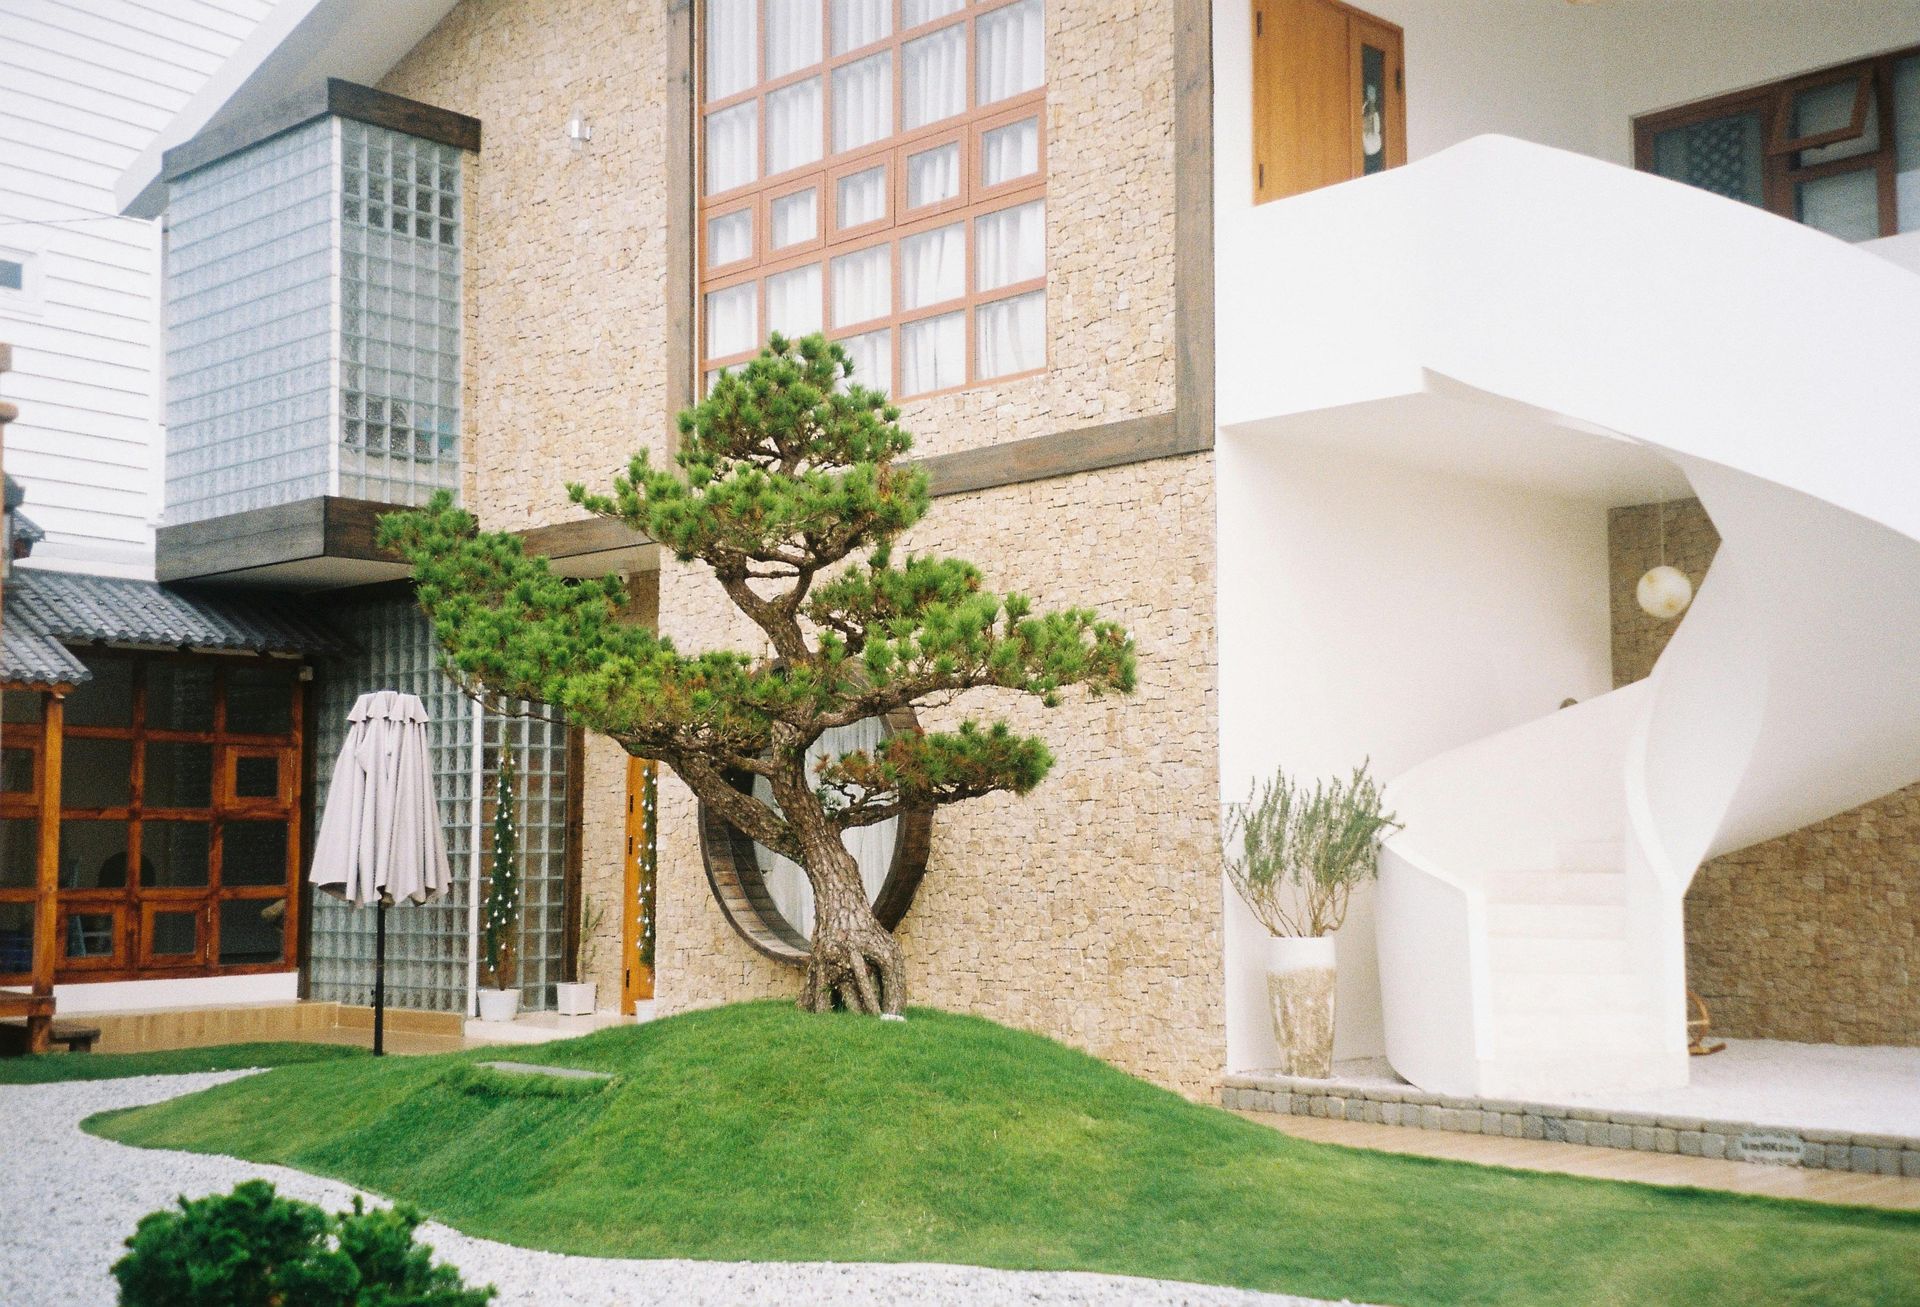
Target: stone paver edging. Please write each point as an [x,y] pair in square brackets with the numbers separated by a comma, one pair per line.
[1599,1127]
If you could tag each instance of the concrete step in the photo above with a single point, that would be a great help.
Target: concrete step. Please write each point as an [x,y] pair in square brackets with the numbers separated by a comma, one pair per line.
[1589,856]
[1557,920]
[1565,957]
[1556,887]
[1620,1030]
[1567,995]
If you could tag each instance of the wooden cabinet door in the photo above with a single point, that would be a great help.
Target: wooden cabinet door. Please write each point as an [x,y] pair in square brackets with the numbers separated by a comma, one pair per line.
[1329,99]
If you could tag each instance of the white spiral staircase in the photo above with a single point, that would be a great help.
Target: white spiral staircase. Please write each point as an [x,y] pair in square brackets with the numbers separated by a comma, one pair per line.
[1529,915]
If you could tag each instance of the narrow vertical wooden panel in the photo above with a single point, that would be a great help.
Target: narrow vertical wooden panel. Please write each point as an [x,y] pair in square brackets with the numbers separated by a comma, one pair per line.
[46,903]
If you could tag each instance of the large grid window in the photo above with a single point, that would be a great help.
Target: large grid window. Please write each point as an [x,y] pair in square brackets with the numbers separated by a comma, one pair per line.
[876,169]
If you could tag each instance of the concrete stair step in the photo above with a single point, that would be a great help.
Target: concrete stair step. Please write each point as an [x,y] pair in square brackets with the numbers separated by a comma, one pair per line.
[1620,1030]
[1557,920]
[1564,957]
[1556,887]
[1567,995]
[1589,856]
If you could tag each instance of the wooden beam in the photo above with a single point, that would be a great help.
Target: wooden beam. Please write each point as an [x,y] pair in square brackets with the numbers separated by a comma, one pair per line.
[1193,259]
[333,97]
[46,894]
[1066,453]
[681,190]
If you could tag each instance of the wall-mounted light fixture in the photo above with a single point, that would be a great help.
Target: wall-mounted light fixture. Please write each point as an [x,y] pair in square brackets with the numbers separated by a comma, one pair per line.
[579,130]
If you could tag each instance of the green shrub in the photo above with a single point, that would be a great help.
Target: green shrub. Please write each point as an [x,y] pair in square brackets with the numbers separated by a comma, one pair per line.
[253,1248]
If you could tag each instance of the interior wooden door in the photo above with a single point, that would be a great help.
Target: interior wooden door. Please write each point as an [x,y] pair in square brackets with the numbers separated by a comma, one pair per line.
[1329,96]
[637,902]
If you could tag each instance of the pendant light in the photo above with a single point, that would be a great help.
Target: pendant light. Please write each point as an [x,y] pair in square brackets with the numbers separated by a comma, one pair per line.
[1664,592]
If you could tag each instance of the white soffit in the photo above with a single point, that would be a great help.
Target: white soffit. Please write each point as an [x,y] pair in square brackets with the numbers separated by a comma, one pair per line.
[296,47]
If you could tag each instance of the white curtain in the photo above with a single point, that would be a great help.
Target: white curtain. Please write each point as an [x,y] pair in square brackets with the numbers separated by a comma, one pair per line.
[863,285]
[1012,335]
[731,328]
[862,102]
[933,77]
[793,301]
[729,237]
[860,22]
[793,218]
[1010,246]
[871,846]
[915,12]
[933,267]
[862,197]
[933,175]
[730,44]
[1009,152]
[1010,50]
[793,126]
[872,356]
[793,36]
[731,148]
[933,354]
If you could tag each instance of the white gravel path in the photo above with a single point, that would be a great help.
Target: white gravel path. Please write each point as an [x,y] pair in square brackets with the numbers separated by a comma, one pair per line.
[68,1200]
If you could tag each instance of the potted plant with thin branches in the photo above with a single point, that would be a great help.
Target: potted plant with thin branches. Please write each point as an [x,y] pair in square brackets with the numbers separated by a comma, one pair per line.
[1295,855]
[577,997]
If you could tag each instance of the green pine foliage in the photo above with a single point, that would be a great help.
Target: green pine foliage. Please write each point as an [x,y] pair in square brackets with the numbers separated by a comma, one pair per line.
[789,486]
[253,1247]
[500,915]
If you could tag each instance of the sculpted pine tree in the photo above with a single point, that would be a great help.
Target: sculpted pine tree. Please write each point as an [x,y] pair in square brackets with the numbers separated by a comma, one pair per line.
[789,488]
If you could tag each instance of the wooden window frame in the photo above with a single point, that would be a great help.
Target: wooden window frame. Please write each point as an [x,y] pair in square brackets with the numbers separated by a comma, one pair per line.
[133,904]
[1780,172]
[973,201]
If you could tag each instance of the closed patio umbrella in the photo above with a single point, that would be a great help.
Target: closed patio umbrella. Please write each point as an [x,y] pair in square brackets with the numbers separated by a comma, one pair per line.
[380,839]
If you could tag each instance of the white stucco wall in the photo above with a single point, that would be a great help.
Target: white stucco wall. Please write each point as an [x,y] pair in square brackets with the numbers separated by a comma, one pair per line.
[1571,76]
[1369,609]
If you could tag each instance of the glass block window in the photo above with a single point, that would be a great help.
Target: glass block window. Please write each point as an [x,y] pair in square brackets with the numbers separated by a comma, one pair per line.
[877,171]
[250,341]
[427,943]
[313,338]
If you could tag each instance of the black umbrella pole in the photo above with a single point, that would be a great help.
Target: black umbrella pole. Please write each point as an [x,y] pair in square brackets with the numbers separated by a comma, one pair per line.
[380,979]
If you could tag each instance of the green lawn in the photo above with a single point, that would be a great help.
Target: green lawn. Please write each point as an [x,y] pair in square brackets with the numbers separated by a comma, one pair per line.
[46,1068]
[756,1132]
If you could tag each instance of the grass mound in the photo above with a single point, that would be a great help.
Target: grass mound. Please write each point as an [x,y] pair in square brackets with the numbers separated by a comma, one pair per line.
[48,1068]
[756,1132]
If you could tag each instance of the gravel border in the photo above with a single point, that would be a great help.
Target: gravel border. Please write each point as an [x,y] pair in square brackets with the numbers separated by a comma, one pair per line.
[73,1198]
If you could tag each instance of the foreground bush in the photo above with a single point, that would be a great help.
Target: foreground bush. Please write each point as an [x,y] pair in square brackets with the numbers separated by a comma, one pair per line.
[253,1248]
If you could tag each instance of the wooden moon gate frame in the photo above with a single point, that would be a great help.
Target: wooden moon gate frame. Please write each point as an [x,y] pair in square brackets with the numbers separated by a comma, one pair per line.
[739,885]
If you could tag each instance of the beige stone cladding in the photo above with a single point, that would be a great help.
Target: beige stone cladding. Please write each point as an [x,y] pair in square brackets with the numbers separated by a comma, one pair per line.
[1814,936]
[1090,909]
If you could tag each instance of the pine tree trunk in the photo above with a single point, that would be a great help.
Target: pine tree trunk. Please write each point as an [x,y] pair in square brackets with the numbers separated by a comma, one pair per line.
[856,963]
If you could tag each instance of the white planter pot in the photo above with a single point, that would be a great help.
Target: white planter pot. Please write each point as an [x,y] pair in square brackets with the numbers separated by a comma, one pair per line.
[574,998]
[1300,973]
[499,1004]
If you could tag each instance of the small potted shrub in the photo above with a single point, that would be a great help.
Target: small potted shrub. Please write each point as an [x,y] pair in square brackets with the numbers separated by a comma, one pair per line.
[576,997]
[500,917]
[1295,855]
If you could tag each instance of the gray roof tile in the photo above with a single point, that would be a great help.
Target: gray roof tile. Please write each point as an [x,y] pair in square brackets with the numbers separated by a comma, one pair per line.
[47,607]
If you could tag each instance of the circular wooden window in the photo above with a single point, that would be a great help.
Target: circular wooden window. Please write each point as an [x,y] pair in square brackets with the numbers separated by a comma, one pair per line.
[762,893]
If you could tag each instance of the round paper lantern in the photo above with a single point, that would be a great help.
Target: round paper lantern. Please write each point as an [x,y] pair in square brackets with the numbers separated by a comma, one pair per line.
[1664,592]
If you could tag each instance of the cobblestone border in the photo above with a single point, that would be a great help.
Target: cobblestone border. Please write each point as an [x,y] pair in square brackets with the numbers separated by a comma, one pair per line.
[1647,1132]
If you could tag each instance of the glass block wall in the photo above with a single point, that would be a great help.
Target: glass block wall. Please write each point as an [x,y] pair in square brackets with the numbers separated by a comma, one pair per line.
[250,273]
[313,322]
[427,943]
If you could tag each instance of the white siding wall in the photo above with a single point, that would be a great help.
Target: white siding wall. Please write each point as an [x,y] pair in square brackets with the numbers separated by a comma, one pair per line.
[84,85]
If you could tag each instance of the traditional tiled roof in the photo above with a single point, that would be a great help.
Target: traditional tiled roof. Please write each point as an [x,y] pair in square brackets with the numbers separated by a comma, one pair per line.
[55,608]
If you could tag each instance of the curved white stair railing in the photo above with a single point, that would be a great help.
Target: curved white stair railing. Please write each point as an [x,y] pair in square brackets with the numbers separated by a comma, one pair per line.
[1530,914]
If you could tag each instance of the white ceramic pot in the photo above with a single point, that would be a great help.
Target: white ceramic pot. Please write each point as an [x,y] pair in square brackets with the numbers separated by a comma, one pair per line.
[1300,973]
[574,998]
[499,1004]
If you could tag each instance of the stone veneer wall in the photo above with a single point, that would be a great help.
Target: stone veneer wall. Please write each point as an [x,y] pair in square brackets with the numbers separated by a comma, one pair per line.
[1814,936]
[1089,911]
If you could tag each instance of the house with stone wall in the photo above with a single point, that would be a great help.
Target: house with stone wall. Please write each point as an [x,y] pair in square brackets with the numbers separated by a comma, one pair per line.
[1360,361]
